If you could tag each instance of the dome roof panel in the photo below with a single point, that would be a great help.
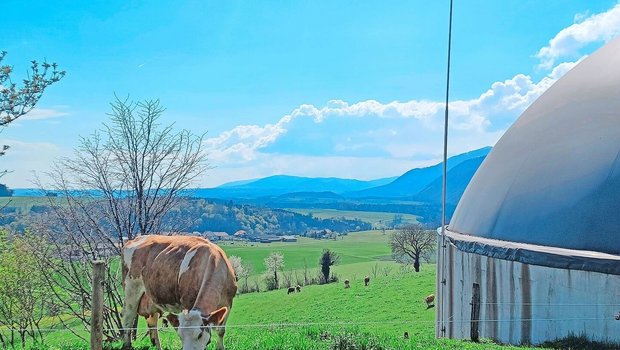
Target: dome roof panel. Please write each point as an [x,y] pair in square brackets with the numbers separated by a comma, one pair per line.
[553,179]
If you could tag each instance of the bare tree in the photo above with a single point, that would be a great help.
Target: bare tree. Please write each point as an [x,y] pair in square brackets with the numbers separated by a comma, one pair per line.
[121,182]
[412,243]
[274,263]
[387,270]
[374,270]
[288,278]
[307,277]
[327,260]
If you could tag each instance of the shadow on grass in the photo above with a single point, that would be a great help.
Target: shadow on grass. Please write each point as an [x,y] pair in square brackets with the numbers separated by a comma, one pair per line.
[580,342]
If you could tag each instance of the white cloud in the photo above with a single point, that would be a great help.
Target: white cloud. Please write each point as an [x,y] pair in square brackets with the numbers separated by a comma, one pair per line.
[43,113]
[25,157]
[600,27]
[371,139]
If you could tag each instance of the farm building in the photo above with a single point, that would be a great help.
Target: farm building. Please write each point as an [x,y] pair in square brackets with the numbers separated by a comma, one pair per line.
[537,231]
[217,236]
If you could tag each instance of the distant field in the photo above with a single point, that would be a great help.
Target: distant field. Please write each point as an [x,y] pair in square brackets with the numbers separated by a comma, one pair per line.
[356,247]
[23,204]
[373,217]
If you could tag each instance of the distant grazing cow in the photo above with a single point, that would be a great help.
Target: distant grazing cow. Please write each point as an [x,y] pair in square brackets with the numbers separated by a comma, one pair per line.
[430,301]
[347,284]
[187,276]
[298,288]
[290,290]
[366,280]
[406,335]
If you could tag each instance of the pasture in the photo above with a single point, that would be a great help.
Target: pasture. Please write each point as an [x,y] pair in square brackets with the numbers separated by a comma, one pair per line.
[321,316]
[357,247]
[377,219]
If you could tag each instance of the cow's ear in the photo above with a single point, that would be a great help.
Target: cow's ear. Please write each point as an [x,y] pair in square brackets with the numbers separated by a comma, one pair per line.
[217,317]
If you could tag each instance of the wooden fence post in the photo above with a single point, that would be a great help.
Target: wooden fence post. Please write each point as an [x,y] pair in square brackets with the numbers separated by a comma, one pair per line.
[475,311]
[96,320]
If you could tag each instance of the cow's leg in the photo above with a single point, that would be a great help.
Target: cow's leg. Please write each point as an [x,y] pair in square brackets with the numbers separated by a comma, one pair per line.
[152,324]
[133,292]
[221,331]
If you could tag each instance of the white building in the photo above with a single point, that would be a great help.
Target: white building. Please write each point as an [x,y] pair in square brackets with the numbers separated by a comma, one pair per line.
[538,228]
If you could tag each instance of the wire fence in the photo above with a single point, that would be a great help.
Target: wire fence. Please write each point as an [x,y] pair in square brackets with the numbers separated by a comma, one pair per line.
[334,324]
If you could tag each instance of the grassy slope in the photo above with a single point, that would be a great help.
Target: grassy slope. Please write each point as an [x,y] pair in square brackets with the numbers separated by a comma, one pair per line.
[375,218]
[331,315]
[357,247]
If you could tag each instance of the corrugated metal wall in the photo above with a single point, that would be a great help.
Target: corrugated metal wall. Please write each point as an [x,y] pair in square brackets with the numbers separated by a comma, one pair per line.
[524,304]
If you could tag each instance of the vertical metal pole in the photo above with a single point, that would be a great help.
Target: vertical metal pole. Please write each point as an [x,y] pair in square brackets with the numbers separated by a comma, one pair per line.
[441,285]
[96,321]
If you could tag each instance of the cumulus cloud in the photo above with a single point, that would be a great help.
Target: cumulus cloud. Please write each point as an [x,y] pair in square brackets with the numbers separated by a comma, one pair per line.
[384,139]
[388,138]
[600,27]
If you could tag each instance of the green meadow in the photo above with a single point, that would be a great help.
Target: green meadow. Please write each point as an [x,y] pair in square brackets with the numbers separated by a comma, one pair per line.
[321,316]
[375,218]
[355,248]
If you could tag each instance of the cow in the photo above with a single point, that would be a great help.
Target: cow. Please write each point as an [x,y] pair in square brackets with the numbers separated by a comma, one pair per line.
[290,290]
[366,280]
[347,284]
[298,288]
[430,301]
[186,276]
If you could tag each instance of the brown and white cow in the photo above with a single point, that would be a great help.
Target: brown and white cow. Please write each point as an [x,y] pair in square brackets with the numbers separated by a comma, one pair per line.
[187,276]
[430,301]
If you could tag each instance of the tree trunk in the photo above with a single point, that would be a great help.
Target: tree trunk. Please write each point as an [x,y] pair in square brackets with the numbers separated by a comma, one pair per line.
[325,272]
[416,264]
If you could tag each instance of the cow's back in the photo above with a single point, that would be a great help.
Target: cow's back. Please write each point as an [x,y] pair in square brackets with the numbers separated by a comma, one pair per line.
[177,269]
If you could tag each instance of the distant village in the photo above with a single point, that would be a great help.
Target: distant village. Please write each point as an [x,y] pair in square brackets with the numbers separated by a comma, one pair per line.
[242,235]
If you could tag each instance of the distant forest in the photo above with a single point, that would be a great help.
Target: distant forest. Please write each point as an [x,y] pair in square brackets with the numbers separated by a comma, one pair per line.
[210,215]
[225,216]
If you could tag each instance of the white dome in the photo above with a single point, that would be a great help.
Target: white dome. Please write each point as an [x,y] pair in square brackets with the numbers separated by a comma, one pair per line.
[553,179]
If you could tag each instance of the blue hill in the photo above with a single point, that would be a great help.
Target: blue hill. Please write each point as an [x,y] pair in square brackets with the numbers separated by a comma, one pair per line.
[412,182]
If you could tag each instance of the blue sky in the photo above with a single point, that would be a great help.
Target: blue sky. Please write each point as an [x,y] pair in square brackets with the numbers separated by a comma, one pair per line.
[310,88]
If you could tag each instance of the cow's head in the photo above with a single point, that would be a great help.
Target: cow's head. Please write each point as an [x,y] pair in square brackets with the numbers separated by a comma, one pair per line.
[195,328]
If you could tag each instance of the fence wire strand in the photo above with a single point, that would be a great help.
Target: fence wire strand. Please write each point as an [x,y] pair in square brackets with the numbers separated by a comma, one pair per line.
[334,324]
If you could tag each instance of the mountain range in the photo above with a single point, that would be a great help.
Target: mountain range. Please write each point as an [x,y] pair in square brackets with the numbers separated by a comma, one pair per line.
[419,184]
[417,191]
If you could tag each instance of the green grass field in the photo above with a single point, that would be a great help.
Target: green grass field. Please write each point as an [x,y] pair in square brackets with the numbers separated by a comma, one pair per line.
[357,247]
[322,316]
[377,219]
